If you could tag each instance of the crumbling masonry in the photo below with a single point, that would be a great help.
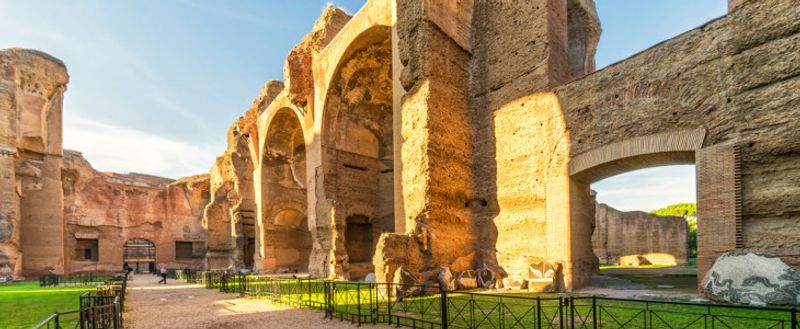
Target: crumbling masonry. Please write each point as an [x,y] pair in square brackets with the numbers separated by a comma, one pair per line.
[423,133]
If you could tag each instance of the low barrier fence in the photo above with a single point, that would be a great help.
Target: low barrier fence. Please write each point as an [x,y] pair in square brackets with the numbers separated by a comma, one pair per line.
[54,280]
[101,309]
[420,306]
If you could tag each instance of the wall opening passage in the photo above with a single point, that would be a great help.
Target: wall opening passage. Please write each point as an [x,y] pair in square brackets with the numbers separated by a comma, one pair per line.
[644,230]
[139,254]
[286,239]
[87,250]
[359,242]
[358,156]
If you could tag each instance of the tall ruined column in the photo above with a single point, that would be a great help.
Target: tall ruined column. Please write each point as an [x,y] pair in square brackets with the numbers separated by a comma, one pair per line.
[433,44]
[10,261]
[522,51]
[32,86]
[10,256]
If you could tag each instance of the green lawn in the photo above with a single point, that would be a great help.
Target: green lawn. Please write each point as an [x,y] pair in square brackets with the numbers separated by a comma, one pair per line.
[610,266]
[513,310]
[24,304]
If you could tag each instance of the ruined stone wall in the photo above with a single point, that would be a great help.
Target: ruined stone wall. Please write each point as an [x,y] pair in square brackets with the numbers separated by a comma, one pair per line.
[521,51]
[230,215]
[436,156]
[358,155]
[638,238]
[115,208]
[287,243]
[32,86]
[733,78]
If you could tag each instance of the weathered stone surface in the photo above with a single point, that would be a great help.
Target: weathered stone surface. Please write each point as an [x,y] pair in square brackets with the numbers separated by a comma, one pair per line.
[466,280]
[747,278]
[584,34]
[445,279]
[297,70]
[32,85]
[477,115]
[636,238]
[545,277]
[112,209]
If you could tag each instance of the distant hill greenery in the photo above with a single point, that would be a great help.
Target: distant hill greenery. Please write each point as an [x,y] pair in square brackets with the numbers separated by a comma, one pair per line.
[678,209]
[688,211]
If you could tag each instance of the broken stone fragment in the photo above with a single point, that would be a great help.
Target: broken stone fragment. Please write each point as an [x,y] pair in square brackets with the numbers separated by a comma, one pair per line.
[748,278]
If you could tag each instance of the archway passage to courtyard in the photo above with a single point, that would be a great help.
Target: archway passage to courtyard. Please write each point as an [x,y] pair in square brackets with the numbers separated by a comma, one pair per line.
[642,232]
[286,235]
[718,191]
[358,150]
[139,254]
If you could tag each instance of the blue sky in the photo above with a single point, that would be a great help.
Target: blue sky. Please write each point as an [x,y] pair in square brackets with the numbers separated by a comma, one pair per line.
[154,84]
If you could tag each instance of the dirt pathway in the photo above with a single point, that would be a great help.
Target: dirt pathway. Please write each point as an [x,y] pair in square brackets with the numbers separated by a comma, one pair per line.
[181,305]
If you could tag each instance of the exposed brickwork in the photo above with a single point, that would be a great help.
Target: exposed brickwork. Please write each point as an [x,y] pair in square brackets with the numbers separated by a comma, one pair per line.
[717,206]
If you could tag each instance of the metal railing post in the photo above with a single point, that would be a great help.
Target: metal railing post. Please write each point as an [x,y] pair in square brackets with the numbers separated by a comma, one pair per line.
[571,312]
[538,312]
[794,317]
[327,297]
[358,294]
[389,289]
[373,307]
[594,312]
[560,312]
[444,308]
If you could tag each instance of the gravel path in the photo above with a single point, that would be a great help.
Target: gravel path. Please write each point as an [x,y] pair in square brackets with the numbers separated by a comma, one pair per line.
[181,305]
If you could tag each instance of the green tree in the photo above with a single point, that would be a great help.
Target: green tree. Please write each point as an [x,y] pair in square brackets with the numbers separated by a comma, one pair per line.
[688,211]
[678,209]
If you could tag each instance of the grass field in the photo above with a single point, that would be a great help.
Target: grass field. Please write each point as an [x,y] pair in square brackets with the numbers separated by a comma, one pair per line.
[24,304]
[520,310]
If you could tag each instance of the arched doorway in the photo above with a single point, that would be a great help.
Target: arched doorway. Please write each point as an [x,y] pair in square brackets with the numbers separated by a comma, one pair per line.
[286,238]
[140,254]
[290,239]
[718,190]
[358,151]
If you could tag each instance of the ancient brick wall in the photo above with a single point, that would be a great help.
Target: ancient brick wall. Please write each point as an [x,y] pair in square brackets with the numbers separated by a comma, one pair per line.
[638,238]
[732,78]
[113,209]
[519,142]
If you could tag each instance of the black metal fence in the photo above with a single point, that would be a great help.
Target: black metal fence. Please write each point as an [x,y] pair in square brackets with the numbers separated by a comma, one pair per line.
[420,306]
[55,280]
[101,309]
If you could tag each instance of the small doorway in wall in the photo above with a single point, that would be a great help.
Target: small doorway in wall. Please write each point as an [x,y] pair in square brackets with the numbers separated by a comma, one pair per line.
[249,252]
[140,254]
[360,245]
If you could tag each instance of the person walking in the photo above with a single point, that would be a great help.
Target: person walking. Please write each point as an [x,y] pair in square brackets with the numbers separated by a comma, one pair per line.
[163,272]
[128,269]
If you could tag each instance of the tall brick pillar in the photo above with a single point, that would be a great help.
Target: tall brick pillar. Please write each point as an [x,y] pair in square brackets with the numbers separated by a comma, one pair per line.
[718,204]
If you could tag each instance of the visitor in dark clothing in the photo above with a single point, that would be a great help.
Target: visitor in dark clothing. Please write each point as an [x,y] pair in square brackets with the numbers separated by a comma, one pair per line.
[163,275]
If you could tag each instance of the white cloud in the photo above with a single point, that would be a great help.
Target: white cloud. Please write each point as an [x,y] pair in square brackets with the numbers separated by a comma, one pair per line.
[119,149]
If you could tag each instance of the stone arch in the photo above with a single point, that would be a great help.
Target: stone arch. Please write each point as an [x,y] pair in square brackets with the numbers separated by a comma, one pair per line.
[283,194]
[289,240]
[660,149]
[669,148]
[357,144]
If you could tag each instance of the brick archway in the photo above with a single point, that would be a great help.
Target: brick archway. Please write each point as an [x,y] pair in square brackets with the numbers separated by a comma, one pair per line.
[718,190]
